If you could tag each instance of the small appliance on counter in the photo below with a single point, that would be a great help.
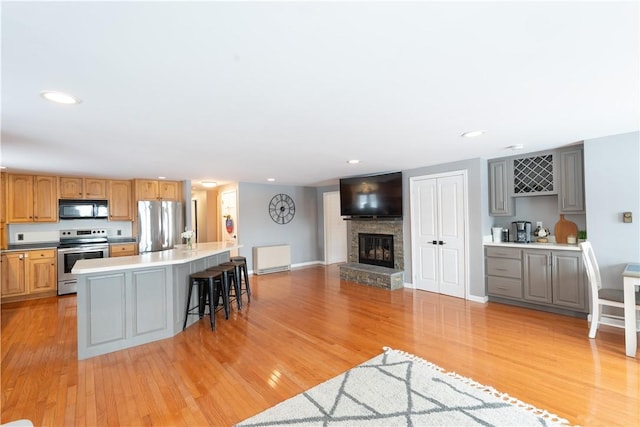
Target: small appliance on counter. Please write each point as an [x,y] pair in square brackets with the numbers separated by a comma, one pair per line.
[521,231]
[496,233]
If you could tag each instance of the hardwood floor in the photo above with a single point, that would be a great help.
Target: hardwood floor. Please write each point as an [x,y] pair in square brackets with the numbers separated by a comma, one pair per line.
[300,329]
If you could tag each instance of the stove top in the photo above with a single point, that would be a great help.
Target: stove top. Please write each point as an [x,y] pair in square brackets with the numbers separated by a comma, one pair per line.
[80,237]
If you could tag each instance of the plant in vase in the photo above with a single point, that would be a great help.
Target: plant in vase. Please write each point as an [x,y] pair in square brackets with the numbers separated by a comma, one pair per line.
[582,235]
[188,236]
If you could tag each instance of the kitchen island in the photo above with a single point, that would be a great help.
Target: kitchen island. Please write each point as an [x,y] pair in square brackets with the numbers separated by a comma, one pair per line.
[127,301]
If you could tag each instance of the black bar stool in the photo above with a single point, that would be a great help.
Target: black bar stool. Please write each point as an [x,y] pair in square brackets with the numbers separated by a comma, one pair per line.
[228,276]
[210,279]
[240,264]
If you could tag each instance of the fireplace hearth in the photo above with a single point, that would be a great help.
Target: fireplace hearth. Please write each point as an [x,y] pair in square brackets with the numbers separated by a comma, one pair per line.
[376,249]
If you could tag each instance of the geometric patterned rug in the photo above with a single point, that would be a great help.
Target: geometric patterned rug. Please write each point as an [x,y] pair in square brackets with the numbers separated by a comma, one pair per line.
[399,389]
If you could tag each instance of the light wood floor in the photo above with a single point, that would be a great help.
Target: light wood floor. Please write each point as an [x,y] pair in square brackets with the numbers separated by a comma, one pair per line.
[300,329]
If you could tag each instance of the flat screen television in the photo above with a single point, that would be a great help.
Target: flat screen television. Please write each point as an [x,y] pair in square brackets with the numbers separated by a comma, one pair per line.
[372,196]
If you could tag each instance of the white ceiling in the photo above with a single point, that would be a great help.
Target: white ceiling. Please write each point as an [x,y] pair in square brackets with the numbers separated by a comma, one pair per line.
[243,91]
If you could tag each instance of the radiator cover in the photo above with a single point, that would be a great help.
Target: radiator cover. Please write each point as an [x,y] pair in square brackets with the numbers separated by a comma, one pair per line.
[271,259]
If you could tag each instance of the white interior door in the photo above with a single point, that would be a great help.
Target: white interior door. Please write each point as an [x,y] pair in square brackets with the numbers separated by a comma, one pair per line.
[335,229]
[228,210]
[439,236]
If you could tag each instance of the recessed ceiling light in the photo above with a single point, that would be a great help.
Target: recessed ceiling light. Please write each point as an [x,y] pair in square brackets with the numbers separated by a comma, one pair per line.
[353,162]
[209,184]
[516,147]
[271,179]
[472,134]
[59,97]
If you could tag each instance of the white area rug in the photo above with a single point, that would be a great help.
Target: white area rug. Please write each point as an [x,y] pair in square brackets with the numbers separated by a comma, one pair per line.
[398,389]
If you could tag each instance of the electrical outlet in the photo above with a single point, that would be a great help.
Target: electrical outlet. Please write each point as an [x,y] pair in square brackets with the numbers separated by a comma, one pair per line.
[119,232]
[20,236]
[626,217]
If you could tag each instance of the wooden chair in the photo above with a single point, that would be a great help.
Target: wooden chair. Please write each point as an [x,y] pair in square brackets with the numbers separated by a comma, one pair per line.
[603,296]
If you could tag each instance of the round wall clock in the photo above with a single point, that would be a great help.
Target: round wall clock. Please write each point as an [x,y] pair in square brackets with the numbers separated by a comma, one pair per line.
[281,208]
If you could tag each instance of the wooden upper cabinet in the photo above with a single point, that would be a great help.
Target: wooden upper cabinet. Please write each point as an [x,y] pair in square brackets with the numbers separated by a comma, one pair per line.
[151,189]
[3,197]
[32,198]
[45,199]
[70,188]
[20,198]
[82,188]
[147,189]
[120,200]
[95,188]
[169,190]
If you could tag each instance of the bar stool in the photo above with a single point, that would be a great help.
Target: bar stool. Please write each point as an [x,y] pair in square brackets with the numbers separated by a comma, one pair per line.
[240,264]
[200,280]
[228,276]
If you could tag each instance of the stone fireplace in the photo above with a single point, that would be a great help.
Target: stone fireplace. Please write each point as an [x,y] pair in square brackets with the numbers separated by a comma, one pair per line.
[384,273]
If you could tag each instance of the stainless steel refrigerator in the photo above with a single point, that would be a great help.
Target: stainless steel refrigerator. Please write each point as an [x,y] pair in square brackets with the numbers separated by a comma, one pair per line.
[159,225]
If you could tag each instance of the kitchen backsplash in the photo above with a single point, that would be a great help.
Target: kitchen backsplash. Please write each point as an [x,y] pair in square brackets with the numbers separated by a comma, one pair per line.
[50,232]
[538,208]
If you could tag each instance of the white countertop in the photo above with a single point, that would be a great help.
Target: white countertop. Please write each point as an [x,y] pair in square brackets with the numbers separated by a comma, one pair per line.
[536,245]
[179,255]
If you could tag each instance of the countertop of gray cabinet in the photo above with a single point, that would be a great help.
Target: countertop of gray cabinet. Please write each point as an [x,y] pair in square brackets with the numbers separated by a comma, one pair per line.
[532,245]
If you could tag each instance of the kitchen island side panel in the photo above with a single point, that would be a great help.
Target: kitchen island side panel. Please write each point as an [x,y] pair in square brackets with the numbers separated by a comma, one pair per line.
[122,310]
[118,309]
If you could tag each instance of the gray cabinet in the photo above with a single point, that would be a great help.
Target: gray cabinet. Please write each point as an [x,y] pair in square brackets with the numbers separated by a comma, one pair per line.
[504,272]
[568,281]
[571,188]
[534,175]
[500,201]
[537,277]
[554,277]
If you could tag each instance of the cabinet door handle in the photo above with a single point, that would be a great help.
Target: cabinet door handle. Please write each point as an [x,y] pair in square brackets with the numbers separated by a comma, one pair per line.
[434,242]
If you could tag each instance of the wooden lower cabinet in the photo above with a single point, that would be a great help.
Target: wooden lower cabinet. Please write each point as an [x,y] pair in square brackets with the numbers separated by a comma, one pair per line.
[28,274]
[123,249]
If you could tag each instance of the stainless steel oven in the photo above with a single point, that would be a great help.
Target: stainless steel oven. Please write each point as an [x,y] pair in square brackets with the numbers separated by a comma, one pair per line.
[75,245]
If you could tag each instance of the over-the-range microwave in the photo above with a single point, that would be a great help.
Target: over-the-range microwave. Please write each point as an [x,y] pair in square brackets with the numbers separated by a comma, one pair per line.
[82,209]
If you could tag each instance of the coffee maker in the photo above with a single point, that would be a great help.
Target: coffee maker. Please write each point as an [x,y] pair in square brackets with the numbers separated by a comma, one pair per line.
[521,231]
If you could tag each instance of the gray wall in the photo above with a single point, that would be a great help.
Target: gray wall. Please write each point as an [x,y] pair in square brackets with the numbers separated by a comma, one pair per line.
[479,221]
[258,229]
[612,186]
